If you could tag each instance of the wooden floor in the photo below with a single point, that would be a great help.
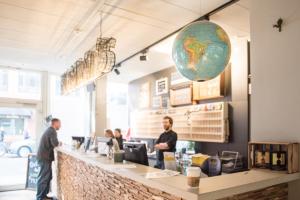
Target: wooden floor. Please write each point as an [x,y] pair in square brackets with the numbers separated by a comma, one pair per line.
[18,195]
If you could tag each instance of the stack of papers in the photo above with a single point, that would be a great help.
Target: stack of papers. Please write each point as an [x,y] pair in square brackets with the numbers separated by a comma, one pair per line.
[121,166]
[161,174]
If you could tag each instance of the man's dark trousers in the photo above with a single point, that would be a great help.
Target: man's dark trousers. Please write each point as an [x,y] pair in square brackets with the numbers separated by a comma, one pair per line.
[44,179]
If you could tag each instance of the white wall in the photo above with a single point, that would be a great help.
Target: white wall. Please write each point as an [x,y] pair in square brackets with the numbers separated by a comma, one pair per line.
[275,66]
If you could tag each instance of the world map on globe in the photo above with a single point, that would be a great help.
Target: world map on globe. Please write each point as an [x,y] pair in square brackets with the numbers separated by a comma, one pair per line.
[201,51]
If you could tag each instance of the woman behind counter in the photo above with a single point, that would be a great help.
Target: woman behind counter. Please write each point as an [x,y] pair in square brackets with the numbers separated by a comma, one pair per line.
[115,145]
[119,137]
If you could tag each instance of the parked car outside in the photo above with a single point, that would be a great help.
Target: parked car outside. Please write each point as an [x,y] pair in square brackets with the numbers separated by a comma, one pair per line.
[23,147]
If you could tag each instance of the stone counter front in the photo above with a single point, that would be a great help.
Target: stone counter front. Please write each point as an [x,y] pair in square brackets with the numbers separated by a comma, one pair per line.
[82,176]
[78,180]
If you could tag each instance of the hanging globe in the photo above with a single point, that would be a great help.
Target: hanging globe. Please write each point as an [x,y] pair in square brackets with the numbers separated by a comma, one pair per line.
[201,51]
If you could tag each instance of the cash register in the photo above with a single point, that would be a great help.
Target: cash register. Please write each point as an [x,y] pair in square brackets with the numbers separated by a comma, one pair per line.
[136,152]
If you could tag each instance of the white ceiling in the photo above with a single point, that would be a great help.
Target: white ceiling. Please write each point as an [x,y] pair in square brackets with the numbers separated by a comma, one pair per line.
[51,35]
[235,19]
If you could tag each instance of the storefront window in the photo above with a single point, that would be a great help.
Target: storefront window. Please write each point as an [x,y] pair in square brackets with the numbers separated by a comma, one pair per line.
[20,84]
[117,106]
[29,82]
[72,109]
[17,140]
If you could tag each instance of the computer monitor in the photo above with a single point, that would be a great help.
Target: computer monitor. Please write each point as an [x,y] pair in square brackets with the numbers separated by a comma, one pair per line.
[103,145]
[87,143]
[136,152]
[78,139]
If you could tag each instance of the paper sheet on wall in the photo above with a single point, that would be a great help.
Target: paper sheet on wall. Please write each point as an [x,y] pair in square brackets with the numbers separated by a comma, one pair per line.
[161,174]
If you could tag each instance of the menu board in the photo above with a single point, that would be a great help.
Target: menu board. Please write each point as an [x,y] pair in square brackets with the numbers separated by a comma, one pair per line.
[33,169]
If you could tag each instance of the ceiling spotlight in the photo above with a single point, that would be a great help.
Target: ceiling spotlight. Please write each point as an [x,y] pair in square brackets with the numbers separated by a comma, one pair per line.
[117,71]
[144,57]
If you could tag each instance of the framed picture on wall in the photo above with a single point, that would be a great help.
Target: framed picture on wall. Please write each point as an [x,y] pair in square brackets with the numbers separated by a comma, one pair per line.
[165,101]
[157,102]
[161,86]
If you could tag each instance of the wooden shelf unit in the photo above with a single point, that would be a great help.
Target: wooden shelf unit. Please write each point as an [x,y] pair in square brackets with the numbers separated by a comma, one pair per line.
[291,149]
[204,122]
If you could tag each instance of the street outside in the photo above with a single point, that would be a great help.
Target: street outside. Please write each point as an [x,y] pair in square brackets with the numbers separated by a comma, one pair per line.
[12,171]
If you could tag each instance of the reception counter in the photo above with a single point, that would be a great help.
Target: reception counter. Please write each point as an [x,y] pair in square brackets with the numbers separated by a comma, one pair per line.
[88,176]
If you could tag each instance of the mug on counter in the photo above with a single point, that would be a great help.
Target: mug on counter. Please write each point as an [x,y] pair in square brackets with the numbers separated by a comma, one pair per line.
[119,156]
[193,176]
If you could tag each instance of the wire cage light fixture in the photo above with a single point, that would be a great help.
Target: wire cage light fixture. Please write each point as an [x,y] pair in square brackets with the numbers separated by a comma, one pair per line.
[94,64]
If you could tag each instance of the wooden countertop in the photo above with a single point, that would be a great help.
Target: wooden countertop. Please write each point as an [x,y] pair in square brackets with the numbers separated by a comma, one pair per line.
[210,188]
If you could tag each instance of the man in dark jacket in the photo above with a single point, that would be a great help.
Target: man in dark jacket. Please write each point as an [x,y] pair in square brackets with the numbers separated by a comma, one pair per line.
[45,156]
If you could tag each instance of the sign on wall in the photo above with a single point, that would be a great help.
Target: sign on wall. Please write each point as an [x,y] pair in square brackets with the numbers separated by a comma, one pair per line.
[161,86]
[157,102]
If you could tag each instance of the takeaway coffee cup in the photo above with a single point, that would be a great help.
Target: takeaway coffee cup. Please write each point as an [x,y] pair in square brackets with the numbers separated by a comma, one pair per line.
[193,176]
